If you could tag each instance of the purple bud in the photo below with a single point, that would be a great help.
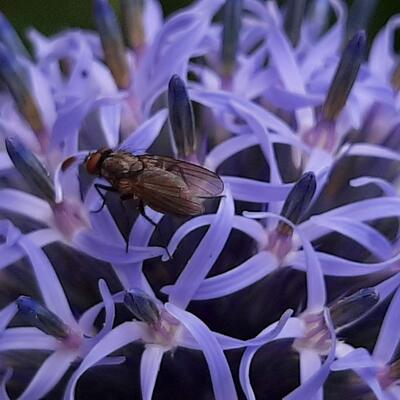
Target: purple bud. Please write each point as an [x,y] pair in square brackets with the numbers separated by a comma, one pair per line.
[297,202]
[293,20]
[345,76]
[132,22]
[42,318]
[142,306]
[10,39]
[15,77]
[112,42]
[349,310]
[360,15]
[33,171]
[230,34]
[181,118]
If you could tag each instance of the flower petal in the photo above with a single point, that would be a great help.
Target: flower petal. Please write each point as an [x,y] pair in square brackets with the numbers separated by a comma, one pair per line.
[6,315]
[387,188]
[309,388]
[362,233]
[143,137]
[256,191]
[27,339]
[120,336]
[25,204]
[47,280]
[389,334]
[205,254]
[149,367]
[49,374]
[221,376]
[358,358]
[240,277]
[90,244]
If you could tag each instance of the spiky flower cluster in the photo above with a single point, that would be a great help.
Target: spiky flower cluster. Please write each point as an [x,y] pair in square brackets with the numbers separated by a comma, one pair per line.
[281,289]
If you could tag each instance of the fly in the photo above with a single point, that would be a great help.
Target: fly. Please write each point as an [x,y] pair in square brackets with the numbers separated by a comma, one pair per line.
[165,184]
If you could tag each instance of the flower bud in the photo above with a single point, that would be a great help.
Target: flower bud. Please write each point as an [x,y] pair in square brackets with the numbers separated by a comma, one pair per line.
[351,309]
[293,20]
[345,76]
[10,39]
[181,118]
[360,15]
[297,202]
[230,35]
[112,42]
[33,171]
[142,306]
[42,318]
[15,77]
[132,23]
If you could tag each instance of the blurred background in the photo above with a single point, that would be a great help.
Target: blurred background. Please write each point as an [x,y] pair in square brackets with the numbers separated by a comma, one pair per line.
[51,16]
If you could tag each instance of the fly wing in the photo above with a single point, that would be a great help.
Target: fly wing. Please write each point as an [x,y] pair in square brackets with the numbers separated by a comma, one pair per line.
[200,181]
[166,192]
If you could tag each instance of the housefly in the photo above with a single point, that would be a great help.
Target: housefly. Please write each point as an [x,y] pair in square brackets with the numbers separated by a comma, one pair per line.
[165,184]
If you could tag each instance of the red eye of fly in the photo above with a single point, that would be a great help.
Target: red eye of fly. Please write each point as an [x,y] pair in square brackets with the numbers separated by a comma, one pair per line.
[92,162]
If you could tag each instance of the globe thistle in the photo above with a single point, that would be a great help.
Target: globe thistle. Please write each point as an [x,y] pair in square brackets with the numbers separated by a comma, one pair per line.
[287,286]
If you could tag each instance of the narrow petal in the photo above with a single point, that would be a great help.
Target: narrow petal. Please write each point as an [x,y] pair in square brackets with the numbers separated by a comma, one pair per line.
[49,374]
[310,363]
[228,148]
[205,254]
[358,358]
[47,280]
[316,291]
[387,287]
[387,188]
[240,277]
[362,233]
[6,315]
[27,339]
[108,306]
[256,191]
[92,245]
[120,336]
[149,367]
[25,204]
[221,376]
[143,137]
[389,334]
[309,388]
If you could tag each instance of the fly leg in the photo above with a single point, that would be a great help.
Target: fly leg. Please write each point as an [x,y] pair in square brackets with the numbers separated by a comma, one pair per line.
[156,228]
[99,187]
[123,198]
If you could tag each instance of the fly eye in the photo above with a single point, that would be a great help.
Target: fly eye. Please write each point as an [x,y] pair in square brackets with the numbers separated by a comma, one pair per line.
[92,163]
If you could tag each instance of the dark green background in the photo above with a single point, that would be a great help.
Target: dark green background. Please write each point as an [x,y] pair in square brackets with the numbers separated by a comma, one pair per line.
[50,16]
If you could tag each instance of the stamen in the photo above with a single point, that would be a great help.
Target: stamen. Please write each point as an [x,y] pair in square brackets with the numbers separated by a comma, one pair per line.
[351,309]
[132,23]
[15,77]
[293,20]
[345,76]
[112,42]
[10,39]
[142,306]
[396,78]
[42,318]
[181,118]
[230,35]
[297,202]
[33,171]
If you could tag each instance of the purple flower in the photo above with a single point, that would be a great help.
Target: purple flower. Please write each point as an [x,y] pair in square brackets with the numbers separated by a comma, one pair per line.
[298,119]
